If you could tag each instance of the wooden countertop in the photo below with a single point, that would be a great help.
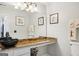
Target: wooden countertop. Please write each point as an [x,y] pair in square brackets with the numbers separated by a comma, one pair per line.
[34,41]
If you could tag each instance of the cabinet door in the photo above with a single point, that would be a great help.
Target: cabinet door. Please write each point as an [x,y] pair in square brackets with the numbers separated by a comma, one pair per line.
[75,50]
[21,51]
[6,52]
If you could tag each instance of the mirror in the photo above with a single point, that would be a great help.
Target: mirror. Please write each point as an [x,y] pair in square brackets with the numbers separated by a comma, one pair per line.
[30,27]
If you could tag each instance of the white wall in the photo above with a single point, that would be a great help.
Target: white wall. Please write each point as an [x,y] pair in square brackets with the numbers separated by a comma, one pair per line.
[39,30]
[67,12]
[9,14]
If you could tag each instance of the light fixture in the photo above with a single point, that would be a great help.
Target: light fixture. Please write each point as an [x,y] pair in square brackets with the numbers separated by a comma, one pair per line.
[27,6]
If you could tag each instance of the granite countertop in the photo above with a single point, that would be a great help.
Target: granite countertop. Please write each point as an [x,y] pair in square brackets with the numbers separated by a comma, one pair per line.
[33,41]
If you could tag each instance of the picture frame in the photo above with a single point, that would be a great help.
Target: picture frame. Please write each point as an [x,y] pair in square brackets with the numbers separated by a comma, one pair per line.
[41,21]
[54,18]
[19,21]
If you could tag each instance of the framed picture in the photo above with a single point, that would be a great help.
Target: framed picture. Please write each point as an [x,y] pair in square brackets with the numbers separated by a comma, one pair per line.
[41,21]
[19,21]
[54,18]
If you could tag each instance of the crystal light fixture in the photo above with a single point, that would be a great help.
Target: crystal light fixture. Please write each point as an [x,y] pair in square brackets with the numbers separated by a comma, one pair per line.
[27,6]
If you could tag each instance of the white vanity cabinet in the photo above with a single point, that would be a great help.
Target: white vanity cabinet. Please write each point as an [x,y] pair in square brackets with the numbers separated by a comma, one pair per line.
[22,51]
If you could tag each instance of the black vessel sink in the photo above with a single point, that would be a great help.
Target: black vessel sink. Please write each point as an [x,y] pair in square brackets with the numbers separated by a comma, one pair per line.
[8,42]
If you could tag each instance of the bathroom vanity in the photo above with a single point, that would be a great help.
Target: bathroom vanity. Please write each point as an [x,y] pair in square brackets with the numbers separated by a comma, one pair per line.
[23,47]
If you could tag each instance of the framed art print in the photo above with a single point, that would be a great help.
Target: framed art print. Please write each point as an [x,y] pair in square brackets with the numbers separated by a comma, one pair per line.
[19,21]
[54,18]
[41,21]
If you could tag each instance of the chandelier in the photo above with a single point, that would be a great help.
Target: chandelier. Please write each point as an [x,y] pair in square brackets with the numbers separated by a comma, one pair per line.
[27,6]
